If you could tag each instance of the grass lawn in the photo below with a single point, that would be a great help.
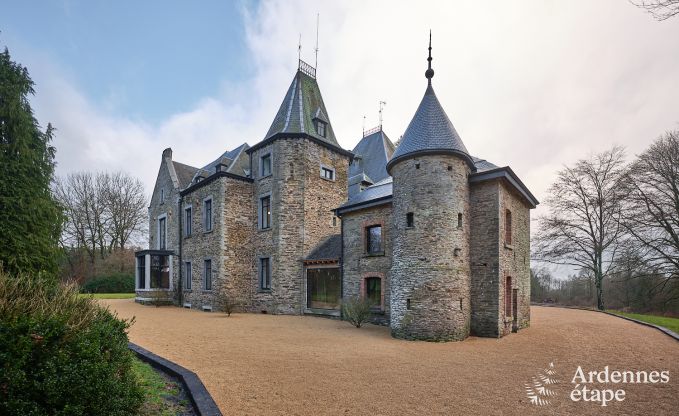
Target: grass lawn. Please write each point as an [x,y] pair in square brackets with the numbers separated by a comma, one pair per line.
[162,394]
[670,323]
[109,295]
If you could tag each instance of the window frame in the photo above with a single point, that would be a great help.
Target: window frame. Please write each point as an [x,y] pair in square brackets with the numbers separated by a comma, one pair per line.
[188,221]
[260,273]
[188,275]
[364,292]
[322,128]
[509,237]
[211,224]
[162,235]
[206,262]
[367,240]
[261,213]
[268,156]
[325,169]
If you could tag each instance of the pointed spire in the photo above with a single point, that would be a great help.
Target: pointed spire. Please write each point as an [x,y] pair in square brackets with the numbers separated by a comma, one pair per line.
[430,72]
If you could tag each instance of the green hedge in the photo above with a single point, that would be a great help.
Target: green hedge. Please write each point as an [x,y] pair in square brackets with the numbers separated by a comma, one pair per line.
[110,283]
[61,354]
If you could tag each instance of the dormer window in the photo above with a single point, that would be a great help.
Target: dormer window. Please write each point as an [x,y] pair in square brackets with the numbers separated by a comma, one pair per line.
[321,128]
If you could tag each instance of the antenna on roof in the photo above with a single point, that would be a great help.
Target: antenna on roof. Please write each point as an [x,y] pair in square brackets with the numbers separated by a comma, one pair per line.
[318,16]
[363,126]
[299,49]
[382,104]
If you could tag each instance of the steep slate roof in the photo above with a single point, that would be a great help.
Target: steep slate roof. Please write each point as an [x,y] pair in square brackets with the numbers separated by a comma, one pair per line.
[381,192]
[184,173]
[328,249]
[301,105]
[430,131]
[374,150]
[231,155]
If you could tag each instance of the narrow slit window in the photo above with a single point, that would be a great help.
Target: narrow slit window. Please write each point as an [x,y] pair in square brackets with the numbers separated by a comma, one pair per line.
[410,220]
[187,275]
[459,220]
[208,275]
[265,273]
[508,227]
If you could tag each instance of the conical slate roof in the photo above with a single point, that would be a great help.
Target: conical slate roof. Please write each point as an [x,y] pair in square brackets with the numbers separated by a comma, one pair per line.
[301,108]
[430,131]
[374,150]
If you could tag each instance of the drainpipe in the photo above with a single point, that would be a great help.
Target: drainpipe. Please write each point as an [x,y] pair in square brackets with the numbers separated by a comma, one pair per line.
[180,288]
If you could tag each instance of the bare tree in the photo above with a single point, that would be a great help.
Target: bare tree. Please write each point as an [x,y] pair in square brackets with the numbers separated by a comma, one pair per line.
[659,9]
[652,205]
[104,211]
[583,228]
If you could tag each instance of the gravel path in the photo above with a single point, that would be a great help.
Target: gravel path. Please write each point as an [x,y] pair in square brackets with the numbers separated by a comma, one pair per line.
[264,364]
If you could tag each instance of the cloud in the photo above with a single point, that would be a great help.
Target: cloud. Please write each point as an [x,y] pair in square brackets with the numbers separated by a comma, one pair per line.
[530,84]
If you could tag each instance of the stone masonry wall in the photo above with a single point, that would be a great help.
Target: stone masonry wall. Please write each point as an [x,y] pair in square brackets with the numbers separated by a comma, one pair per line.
[302,206]
[514,259]
[357,264]
[430,266]
[484,251]
[167,207]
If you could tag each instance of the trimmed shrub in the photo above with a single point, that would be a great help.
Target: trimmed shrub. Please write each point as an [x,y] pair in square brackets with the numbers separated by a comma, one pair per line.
[356,311]
[61,354]
[109,283]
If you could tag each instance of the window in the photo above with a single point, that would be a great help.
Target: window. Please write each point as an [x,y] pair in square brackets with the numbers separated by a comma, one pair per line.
[160,272]
[374,240]
[417,165]
[320,128]
[373,291]
[508,227]
[207,283]
[162,196]
[265,212]
[141,272]
[162,233]
[508,296]
[459,220]
[188,275]
[410,220]
[334,221]
[327,173]
[188,219]
[265,163]
[324,288]
[265,273]
[207,214]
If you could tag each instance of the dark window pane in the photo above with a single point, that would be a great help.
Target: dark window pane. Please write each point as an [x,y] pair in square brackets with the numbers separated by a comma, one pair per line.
[266,212]
[508,227]
[141,272]
[188,276]
[187,221]
[373,291]
[208,274]
[208,215]
[374,237]
[162,241]
[410,219]
[323,288]
[265,273]
[266,165]
[160,272]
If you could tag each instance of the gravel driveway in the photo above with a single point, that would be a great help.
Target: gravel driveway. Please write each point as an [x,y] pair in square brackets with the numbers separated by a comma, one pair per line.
[264,364]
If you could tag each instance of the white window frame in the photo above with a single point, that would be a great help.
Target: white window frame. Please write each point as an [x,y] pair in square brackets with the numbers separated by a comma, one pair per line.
[188,225]
[188,275]
[162,216]
[212,214]
[260,213]
[328,168]
[261,165]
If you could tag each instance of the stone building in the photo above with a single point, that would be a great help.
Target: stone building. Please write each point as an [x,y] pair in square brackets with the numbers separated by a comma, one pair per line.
[437,240]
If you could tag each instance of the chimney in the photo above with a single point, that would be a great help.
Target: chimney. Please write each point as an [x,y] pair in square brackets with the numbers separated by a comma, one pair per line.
[167,153]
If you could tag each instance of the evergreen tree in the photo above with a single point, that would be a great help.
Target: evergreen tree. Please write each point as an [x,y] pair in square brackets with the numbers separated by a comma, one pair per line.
[30,218]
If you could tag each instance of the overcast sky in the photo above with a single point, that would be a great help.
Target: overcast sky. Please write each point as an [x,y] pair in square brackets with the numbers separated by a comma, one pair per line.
[529,84]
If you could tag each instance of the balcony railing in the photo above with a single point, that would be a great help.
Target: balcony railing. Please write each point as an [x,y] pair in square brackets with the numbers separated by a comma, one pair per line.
[307,69]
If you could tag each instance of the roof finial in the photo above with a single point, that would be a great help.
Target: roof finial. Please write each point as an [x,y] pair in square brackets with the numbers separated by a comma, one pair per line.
[318,16]
[299,50]
[430,72]
[382,104]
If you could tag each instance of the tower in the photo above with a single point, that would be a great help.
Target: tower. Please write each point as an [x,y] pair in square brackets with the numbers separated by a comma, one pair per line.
[430,271]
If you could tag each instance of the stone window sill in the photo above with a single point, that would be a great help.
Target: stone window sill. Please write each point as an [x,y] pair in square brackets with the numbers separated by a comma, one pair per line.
[206,291]
[378,254]
[264,229]
[264,291]
[509,246]
[208,231]
[264,177]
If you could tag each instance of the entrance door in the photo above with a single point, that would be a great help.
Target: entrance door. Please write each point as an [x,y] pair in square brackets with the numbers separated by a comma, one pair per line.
[323,288]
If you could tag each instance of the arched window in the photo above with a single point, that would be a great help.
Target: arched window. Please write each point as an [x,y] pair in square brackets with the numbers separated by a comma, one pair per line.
[373,291]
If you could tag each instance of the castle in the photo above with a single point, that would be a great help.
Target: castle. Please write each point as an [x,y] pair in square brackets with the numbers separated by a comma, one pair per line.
[437,240]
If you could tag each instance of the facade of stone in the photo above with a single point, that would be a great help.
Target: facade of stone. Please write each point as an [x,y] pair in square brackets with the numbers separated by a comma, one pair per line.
[436,240]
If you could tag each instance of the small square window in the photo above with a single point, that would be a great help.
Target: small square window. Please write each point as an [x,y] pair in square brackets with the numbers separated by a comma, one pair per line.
[265,163]
[410,220]
[327,173]
[417,165]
